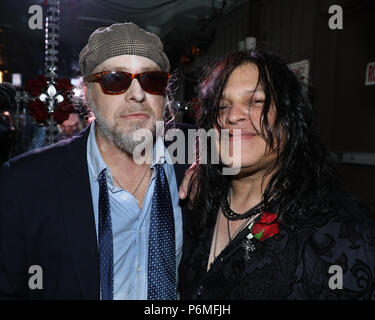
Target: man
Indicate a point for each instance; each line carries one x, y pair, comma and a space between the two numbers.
69, 127
81, 219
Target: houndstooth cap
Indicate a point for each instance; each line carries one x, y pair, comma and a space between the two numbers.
119, 39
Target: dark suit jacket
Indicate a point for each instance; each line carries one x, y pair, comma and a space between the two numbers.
46, 219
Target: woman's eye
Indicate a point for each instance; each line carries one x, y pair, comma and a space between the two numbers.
222, 108
257, 102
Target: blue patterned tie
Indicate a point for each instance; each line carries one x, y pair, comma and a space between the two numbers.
105, 240
162, 253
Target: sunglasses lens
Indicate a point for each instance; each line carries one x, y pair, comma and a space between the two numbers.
116, 82
154, 82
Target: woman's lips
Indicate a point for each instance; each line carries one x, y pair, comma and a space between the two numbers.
240, 134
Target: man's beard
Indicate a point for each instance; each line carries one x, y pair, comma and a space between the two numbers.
123, 140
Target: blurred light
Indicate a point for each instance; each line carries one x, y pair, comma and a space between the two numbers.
43, 97
17, 79
77, 92
241, 45
59, 98
73, 81
196, 51
250, 43
1, 76
51, 90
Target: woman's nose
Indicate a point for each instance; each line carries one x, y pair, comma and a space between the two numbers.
236, 114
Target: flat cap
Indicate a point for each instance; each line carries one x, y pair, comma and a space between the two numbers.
119, 39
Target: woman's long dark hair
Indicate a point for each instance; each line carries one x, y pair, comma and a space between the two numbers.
304, 177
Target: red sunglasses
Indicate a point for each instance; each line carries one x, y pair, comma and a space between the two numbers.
117, 82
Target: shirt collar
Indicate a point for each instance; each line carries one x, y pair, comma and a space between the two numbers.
95, 161
159, 152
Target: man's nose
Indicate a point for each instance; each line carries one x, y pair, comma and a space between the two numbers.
135, 92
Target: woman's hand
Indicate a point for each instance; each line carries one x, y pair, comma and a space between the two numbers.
184, 187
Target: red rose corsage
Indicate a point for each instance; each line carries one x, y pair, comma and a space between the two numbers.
265, 228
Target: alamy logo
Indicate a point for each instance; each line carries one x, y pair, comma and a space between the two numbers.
225, 147
336, 280
36, 280
336, 20
36, 20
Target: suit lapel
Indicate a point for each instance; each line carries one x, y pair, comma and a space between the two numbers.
79, 216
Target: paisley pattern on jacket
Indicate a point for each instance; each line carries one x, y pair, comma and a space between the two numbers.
297, 263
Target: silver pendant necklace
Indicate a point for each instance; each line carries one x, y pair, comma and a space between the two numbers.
249, 247
138, 185
247, 244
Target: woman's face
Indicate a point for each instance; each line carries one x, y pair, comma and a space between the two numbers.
241, 108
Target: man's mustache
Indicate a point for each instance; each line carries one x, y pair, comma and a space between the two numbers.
137, 108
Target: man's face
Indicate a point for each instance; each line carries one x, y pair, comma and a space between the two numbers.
70, 125
119, 116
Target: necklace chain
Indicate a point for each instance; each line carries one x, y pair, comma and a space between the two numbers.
231, 215
238, 230
138, 185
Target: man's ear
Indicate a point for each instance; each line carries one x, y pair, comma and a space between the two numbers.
85, 91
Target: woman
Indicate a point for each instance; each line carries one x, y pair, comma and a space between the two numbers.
282, 227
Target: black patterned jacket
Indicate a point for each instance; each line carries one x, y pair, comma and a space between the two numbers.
297, 263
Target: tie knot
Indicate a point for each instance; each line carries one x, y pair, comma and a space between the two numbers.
102, 176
